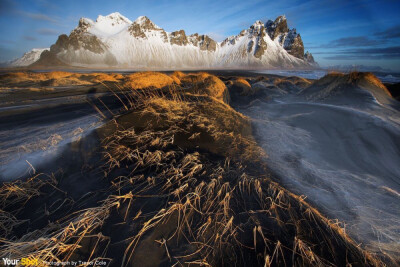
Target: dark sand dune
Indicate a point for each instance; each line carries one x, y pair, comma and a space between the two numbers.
343, 156
354, 89
344, 161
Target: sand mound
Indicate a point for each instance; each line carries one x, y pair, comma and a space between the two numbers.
55, 78
205, 123
368, 80
206, 84
363, 79
141, 80
347, 87
52, 75
102, 77
194, 77
177, 76
242, 86
31, 78
299, 82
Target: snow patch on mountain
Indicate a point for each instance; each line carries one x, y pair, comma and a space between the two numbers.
106, 26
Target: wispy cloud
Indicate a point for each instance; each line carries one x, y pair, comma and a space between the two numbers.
46, 31
390, 33
354, 41
358, 57
29, 38
37, 16
392, 52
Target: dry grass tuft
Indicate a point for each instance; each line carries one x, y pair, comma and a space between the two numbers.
192, 78
366, 80
141, 80
205, 84
177, 76
55, 78
358, 78
243, 86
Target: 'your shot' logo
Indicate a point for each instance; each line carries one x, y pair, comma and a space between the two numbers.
23, 262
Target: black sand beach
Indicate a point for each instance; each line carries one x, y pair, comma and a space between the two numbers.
188, 168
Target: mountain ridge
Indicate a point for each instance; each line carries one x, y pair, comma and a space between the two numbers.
114, 41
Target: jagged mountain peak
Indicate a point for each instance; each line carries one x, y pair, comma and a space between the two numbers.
84, 25
310, 59
257, 28
115, 17
141, 19
146, 23
258, 23
280, 19
115, 41
143, 28
277, 27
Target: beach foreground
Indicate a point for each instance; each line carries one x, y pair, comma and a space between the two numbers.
219, 168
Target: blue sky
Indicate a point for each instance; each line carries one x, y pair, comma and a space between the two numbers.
336, 32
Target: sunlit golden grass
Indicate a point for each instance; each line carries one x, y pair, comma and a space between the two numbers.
204, 84
104, 77
242, 85
294, 80
142, 80
363, 79
192, 77
58, 243
55, 78
366, 79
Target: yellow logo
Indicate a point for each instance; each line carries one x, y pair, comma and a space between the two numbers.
29, 262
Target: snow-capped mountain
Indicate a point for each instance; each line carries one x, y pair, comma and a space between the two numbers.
28, 58
116, 41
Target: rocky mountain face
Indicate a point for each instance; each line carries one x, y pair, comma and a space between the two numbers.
115, 41
288, 38
309, 58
